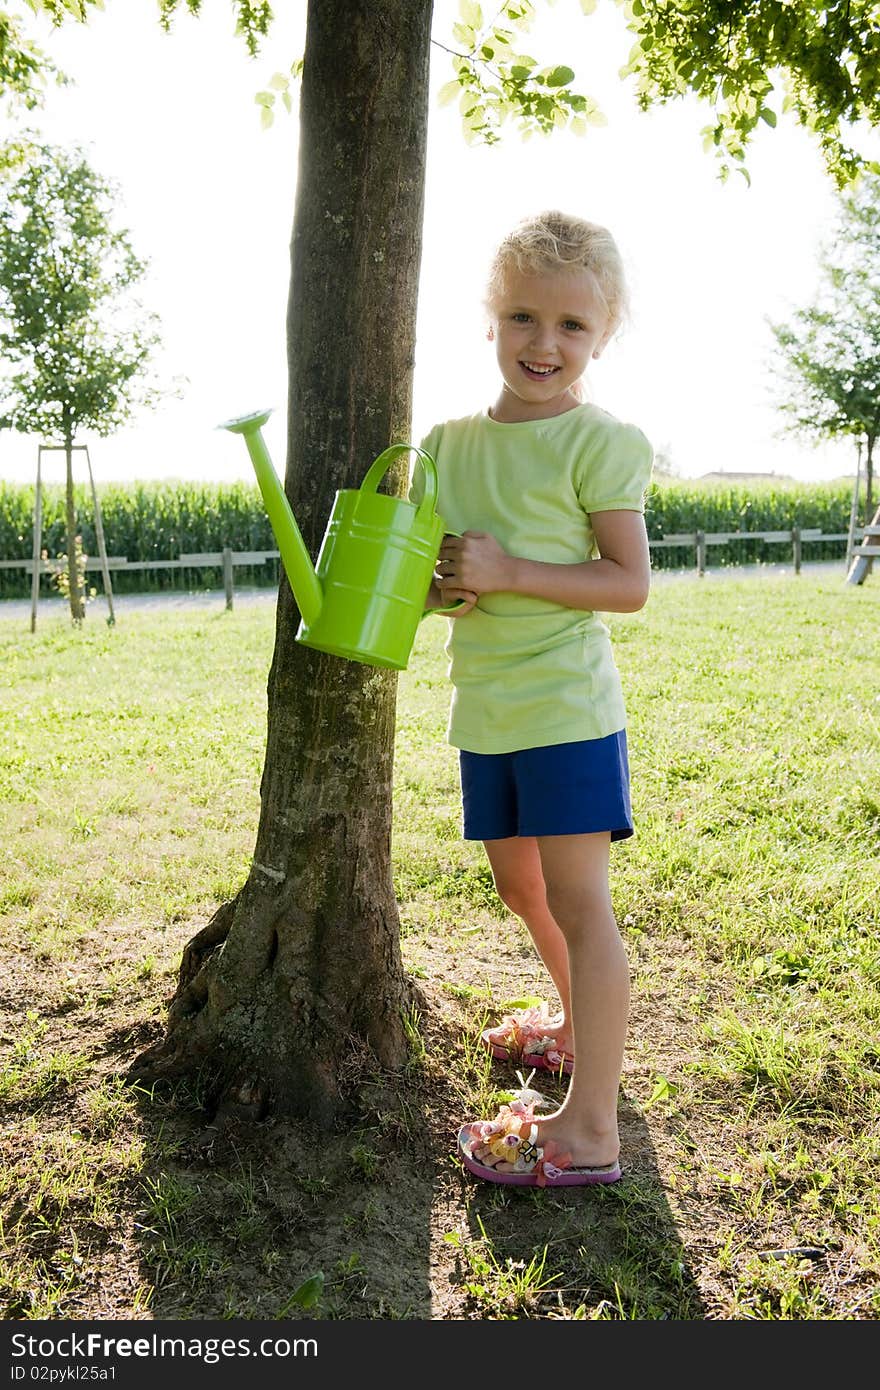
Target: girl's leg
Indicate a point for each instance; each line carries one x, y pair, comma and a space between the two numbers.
519, 882
575, 870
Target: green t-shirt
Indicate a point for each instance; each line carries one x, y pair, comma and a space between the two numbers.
526, 672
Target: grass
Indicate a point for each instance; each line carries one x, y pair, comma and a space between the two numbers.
129, 775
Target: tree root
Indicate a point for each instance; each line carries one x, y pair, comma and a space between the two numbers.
205, 942
174, 1055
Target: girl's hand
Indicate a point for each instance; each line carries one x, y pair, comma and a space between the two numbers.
442, 595
452, 595
474, 561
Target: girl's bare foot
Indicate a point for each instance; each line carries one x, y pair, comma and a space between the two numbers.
585, 1148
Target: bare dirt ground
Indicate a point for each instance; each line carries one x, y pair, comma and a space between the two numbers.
178, 1216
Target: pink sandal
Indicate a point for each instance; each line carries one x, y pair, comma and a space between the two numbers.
510, 1138
524, 1036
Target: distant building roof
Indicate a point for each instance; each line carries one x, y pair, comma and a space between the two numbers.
721, 475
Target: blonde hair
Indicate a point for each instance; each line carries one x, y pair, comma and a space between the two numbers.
554, 241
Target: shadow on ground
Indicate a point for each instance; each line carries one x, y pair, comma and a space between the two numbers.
270, 1220
610, 1253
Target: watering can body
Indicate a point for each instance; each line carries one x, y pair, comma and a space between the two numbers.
365, 596
374, 568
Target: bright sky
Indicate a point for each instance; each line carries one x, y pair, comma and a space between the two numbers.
208, 196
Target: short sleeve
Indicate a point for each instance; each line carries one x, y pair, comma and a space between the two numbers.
616, 469
430, 445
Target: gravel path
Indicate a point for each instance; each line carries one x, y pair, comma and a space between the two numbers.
214, 599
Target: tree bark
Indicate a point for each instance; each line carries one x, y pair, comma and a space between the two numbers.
74, 590
298, 983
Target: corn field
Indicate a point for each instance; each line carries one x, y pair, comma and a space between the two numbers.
142, 521
673, 507
159, 521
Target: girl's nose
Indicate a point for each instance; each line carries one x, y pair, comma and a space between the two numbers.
543, 338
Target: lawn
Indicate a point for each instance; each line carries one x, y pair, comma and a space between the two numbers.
748, 900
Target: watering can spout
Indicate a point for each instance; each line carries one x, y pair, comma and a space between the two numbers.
294, 556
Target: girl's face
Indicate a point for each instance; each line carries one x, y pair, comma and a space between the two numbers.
546, 327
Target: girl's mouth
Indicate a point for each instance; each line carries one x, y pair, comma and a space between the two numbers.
539, 371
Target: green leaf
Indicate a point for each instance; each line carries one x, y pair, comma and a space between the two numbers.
588, 6
559, 77
526, 1001
463, 34
663, 1090
449, 91
279, 81
767, 115
307, 1295
471, 13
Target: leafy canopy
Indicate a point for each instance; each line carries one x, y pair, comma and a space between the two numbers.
24, 66
749, 60
76, 343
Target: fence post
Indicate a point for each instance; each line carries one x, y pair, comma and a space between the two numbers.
227, 576
700, 543
796, 548
38, 545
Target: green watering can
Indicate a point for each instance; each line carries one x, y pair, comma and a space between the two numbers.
365, 597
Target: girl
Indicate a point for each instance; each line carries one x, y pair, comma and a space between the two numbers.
546, 493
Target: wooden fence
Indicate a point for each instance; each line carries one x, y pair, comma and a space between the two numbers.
796, 538
699, 542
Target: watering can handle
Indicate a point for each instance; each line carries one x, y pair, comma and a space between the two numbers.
378, 470
380, 467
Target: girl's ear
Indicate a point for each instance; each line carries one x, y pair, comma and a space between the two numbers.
605, 340
490, 334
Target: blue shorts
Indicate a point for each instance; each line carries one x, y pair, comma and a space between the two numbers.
564, 789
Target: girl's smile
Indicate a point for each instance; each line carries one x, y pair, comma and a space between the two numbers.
546, 328
538, 369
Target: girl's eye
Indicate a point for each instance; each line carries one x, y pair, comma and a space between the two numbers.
572, 323
521, 318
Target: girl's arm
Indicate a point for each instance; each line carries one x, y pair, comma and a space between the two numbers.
618, 582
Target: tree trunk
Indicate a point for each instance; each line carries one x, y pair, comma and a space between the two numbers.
74, 589
298, 983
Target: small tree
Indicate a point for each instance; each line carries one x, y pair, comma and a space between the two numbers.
75, 340
828, 375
